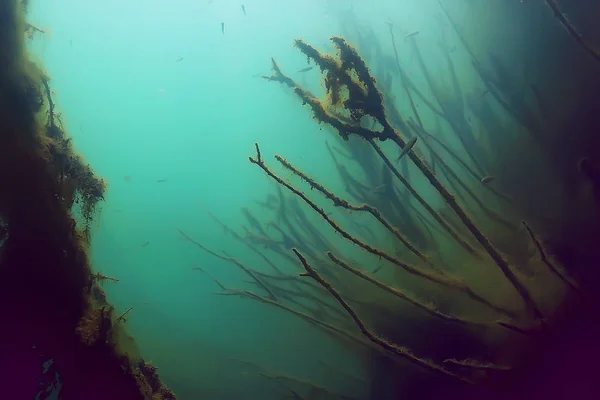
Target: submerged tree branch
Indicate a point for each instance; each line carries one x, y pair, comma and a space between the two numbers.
396, 350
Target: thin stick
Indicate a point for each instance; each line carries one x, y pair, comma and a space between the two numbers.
545, 259
122, 318
231, 260
240, 239
477, 365
571, 29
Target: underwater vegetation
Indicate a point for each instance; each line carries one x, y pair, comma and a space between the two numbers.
53, 305
438, 273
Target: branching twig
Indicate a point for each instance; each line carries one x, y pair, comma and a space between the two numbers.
231, 260
450, 282
364, 207
100, 277
545, 259
122, 318
401, 352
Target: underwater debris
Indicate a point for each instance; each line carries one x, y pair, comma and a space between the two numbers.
399, 293
401, 352
122, 318
364, 207
441, 278
362, 99
31, 30
348, 100
232, 260
553, 5
100, 277
477, 365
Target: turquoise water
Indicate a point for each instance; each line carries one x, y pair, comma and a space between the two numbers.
166, 107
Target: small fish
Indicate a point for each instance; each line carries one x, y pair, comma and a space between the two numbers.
180, 59
407, 148
161, 180
223, 28
145, 244
305, 69
411, 34
380, 189
244, 9
487, 179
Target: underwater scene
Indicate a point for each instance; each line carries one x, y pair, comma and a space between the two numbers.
300, 199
